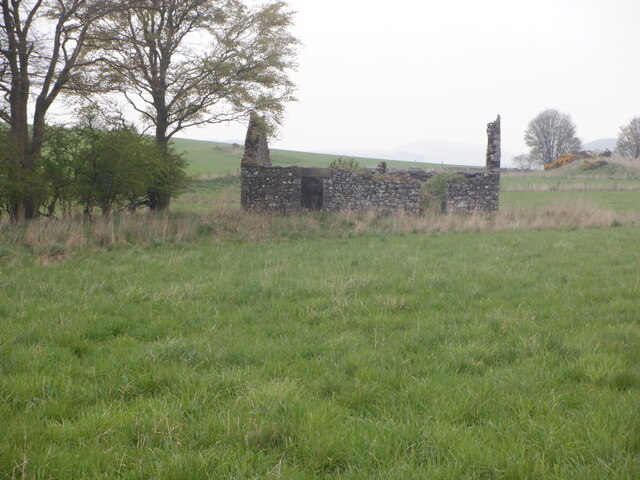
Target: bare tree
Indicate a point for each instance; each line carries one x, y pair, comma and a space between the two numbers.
628, 144
181, 63
550, 135
523, 161
41, 48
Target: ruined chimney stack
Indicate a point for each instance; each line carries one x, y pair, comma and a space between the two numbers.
256, 146
493, 145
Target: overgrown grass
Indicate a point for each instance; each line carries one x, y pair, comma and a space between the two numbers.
512, 355
55, 240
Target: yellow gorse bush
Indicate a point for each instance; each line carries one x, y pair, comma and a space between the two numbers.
562, 161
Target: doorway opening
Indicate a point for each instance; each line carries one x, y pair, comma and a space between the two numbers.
312, 194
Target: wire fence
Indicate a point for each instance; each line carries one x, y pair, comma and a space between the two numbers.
604, 186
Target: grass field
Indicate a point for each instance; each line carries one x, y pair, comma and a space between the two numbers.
216, 344
481, 356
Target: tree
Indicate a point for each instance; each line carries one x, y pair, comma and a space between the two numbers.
550, 135
41, 48
628, 144
181, 63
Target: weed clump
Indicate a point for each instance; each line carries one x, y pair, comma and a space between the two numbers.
434, 190
345, 164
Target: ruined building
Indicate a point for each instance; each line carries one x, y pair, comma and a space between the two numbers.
288, 189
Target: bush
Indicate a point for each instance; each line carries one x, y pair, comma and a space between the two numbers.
562, 161
345, 164
113, 169
434, 190
593, 165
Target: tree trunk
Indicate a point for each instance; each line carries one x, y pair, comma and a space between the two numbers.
159, 201
24, 200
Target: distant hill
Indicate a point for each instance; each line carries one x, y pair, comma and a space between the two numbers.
600, 145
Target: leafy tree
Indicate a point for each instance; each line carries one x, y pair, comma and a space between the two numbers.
550, 135
180, 63
628, 144
42, 46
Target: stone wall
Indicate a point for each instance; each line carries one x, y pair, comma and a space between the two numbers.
282, 190
481, 193
274, 189
356, 191
494, 147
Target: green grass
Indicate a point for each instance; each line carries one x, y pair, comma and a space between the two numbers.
204, 196
209, 158
619, 201
479, 356
304, 159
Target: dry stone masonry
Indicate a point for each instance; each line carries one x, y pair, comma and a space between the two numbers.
285, 190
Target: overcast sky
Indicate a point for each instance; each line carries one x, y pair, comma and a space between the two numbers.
376, 75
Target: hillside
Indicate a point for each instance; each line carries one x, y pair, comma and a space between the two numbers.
215, 158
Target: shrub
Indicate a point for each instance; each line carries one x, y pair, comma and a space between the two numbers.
562, 161
593, 165
434, 190
345, 164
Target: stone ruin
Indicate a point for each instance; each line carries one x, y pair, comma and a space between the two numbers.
284, 190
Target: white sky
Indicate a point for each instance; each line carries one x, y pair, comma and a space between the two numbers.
378, 74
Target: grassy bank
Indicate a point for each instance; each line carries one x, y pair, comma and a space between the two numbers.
500, 355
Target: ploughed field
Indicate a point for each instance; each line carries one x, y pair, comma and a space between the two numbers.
508, 355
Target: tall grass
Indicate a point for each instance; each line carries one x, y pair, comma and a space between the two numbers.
58, 238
